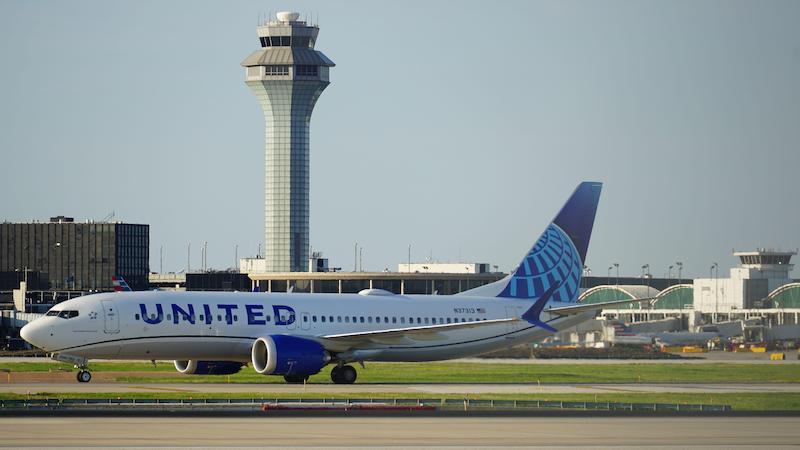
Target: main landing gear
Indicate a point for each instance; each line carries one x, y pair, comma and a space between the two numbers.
84, 376
344, 375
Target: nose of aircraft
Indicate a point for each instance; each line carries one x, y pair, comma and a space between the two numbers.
32, 333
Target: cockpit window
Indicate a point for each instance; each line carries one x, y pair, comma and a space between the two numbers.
53, 312
68, 314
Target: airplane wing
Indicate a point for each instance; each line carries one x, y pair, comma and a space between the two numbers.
398, 336
579, 308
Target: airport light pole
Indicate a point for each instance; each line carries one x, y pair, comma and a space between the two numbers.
616, 265
714, 267
609, 274
680, 267
669, 274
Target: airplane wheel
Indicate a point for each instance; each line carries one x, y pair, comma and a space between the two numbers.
336, 374
84, 376
295, 379
347, 375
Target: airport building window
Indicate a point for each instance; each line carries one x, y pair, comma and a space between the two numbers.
276, 70
306, 71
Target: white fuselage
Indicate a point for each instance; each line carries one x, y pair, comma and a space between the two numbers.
223, 326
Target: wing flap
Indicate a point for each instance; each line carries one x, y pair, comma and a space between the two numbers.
399, 336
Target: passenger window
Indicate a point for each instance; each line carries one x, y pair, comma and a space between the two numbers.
354, 319
201, 317
441, 320
426, 321
377, 320
322, 318
219, 318
152, 317
433, 320
313, 318
169, 316
346, 319
419, 320
394, 319
448, 320
236, 318
339, 319
268, 318
362, 319
330, 319
137, 316
402, 320
305, 318
370, 319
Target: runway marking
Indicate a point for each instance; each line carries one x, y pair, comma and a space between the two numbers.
156, 388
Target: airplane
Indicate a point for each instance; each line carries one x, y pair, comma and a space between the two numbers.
297, 334
120, 285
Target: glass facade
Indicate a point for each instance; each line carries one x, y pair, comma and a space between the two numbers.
77, 256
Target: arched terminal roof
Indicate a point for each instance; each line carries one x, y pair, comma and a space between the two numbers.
786, 296
678, 296
610, 293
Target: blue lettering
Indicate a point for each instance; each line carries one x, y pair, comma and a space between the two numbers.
207, 312
159, 316
228, 312
255, 317
287, 318
187, 315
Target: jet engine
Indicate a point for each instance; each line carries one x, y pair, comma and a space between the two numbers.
193, 367
279, 354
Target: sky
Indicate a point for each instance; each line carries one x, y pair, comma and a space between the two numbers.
458, 128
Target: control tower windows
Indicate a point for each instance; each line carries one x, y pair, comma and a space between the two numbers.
277, 70
306, 71
286, 41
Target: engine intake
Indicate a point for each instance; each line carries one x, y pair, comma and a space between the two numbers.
279, 354
193, 367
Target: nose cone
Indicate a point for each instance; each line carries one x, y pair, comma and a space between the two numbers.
32, 333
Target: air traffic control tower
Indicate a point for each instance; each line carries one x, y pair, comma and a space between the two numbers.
287, 76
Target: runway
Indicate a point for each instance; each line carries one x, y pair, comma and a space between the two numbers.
400, 432
72, 386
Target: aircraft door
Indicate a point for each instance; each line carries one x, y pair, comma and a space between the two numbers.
111, 316
305, 321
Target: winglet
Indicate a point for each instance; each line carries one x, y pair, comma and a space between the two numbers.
532, 314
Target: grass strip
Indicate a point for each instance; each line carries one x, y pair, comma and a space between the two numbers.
458, 372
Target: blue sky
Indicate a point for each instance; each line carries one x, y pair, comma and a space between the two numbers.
459, 128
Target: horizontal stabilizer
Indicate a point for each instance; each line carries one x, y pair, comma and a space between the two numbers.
581, 308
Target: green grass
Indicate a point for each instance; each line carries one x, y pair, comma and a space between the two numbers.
458, 372
738, 401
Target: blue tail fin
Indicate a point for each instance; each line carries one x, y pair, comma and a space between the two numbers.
554, 266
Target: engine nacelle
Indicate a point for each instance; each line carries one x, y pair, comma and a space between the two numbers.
193, 367
279, 354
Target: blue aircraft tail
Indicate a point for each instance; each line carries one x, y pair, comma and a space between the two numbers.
552, 269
